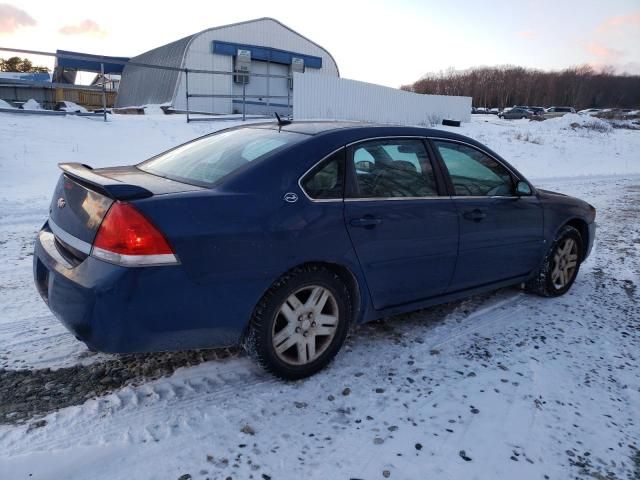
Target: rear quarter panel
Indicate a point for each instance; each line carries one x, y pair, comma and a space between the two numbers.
234, 245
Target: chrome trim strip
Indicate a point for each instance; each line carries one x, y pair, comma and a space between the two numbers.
69, 239
380, 199
489, 197
319, 200
134, 260
47, 240
393, 137
99, 253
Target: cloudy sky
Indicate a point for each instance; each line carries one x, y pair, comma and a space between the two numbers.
387, 42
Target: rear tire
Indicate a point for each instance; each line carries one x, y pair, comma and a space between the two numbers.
560, 265
300, 324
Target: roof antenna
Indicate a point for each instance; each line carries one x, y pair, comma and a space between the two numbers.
281, 122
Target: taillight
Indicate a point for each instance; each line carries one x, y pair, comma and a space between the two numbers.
127, 238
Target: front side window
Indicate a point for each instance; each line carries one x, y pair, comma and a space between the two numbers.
207, 160
393, 168
474, 173
327, 180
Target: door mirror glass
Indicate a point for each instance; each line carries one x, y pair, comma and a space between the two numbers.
364, 166
523, 188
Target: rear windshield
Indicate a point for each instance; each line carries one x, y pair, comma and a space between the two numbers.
208, 160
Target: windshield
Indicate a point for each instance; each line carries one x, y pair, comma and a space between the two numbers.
209, 159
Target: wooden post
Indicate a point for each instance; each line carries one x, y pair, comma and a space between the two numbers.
104, 93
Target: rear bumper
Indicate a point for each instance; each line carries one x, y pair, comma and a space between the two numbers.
123, 310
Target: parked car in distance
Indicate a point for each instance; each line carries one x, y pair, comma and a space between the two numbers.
494, 111
552, 112
536, 110
515, 113
281, 236
589, 111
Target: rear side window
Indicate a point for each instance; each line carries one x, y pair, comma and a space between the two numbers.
207, 160
392, 169
327, 180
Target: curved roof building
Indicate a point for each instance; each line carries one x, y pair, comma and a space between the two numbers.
262, 46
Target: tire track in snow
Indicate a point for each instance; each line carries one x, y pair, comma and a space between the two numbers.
221, 384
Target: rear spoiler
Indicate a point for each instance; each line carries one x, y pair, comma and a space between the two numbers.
84, 174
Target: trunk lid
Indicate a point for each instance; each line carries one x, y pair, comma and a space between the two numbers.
77, 210
83, 196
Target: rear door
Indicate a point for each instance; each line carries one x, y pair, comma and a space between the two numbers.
501, 234
404, 232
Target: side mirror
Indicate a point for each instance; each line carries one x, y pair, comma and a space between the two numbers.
364, 165
523, 189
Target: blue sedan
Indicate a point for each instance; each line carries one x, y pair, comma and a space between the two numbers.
279, 237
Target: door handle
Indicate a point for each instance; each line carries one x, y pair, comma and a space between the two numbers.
476, 215
365, 222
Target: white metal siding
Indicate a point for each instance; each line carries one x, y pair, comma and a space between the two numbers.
325, 97
264, 32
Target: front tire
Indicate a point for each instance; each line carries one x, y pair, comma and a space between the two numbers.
300, 324
560, 266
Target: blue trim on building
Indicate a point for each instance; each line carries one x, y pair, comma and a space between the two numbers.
90, 64
26, 77
265, 54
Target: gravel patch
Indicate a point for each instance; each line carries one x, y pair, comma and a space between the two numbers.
25, 394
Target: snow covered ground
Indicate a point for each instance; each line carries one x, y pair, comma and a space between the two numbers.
499, 386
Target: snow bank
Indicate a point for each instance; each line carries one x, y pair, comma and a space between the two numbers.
31, 104
155, 109
573, 121
72, 107
555, 149
4, 104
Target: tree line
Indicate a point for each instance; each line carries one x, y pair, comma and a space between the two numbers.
21, 65
505, 86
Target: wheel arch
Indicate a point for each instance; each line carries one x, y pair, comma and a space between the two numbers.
582, 227
347, 276
351, 281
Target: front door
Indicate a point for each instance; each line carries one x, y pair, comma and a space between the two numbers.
404, 233
501, 234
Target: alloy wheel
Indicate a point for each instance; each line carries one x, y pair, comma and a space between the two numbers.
305, 325
565, 262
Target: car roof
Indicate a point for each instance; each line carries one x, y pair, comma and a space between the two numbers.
357, 129
315, 127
